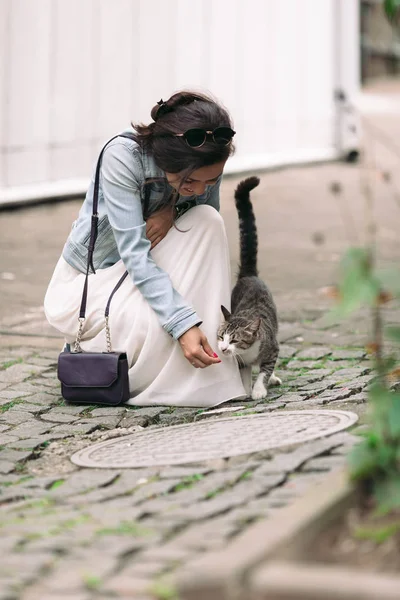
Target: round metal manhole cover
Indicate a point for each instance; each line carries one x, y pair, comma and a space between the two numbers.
207, 440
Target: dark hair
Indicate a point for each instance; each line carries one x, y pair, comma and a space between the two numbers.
184, 110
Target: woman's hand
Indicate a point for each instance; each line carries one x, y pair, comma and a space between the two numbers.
197, 350
158, 225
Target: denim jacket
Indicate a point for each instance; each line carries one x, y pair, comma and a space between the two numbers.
122, 230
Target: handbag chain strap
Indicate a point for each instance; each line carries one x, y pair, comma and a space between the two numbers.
89, 265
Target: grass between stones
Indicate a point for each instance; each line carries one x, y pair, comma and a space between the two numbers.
187, 482
10, 404
163, 589
125, 528
92, 582
56, 484
243, 477
18, 482
378, 534
10, 363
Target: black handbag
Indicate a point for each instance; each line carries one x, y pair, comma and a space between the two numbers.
94, 377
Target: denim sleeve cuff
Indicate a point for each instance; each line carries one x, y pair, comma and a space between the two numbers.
178, 328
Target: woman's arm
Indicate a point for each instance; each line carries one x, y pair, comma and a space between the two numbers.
121, 193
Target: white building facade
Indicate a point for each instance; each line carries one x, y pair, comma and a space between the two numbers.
75, 72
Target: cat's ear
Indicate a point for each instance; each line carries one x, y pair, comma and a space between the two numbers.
226, 313
255, 325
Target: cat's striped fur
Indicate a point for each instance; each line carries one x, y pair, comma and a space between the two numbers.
250, 331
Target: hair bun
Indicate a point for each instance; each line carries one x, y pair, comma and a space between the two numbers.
159, 109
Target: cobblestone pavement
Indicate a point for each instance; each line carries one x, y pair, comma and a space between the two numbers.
78, 533
73, 533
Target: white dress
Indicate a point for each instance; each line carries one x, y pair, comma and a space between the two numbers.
197, 261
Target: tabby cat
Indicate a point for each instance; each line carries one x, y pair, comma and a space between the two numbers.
250, 332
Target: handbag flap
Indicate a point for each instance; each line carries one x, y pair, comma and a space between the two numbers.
89, 369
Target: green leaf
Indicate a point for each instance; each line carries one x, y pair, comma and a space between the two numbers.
389, 279
362, 461
358, 285
393, 333
391, 8
394, 417
377, 534
387, 494
381, 401
386, 457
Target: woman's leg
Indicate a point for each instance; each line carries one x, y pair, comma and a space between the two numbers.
197, 260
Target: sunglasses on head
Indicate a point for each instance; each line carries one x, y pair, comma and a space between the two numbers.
197, 137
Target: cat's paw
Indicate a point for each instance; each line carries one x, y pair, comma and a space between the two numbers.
274, 380
259, 391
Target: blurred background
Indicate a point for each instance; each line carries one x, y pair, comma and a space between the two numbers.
74, 72
297, 76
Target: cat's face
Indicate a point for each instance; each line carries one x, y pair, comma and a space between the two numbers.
236, 334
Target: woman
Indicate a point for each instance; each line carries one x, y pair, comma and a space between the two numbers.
158, 219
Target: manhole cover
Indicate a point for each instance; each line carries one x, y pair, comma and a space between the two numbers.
207, 440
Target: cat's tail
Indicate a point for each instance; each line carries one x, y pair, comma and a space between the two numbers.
247, 228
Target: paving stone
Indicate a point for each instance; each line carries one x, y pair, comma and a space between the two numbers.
108, 411
50, 375
42, 399
117, 545
51, 354
76, 429
182, 472
182, 415
84, 480
296, 364
14, 455
316, 388
6, 466
126, 482
170, 552
146, 569
109, 422
7, 438
323, 463
28, 386
43, 362
351, 373
262, 407
29, 429
39, 591
314, 352
10, 394
14, 417
18, 373
204, 536
48, 386
288, 332
292, 397
28, 443
28, 407
68, 409
348, 354
208, 485
127, 585
359, 384
291, 461
3, 428
71, 574
59, 417
286, 351
152, 489
360, 398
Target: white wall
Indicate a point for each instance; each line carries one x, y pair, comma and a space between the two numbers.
73, 72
